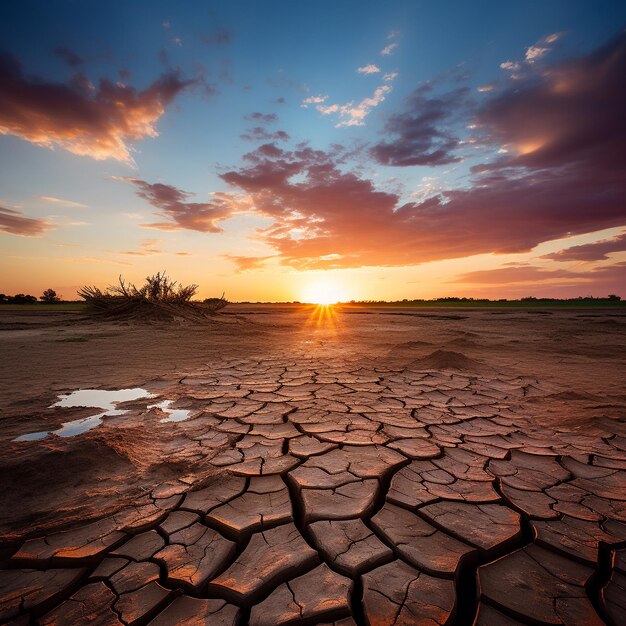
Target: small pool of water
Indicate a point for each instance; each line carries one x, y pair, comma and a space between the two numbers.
101, 398
96, 398
173, 415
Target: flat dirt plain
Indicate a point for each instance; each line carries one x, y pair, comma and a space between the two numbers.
341, 466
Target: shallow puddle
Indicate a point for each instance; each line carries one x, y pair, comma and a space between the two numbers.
173, 415
101, 398
98, 399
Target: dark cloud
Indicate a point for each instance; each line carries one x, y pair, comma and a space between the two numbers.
263, 118
419, 134
569, 114
15, 223
597, 251
71, 58
258, 133
173, 205
100, 122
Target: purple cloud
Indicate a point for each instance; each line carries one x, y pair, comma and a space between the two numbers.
173, 204
15, 223
569, 114
419, 136
263, 118
100, 122
597, 251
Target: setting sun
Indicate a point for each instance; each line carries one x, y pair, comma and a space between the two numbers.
324, 292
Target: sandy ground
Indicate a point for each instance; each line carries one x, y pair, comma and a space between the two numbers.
46, 354
561, 374
578, 355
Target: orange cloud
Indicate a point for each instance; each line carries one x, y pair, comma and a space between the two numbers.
100, 122
324, 217
244, 263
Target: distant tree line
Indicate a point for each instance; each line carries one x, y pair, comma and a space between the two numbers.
530, 299
49, 296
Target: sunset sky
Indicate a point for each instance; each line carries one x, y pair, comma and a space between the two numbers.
391, 150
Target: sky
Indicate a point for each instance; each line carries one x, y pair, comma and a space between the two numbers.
270, 150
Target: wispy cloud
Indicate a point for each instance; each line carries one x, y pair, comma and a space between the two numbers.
146, 248
61, 202
354, 113
512, 67
387, 50
245, 263
258, 133
173, 204
313, 100
596, 251
513, 275
15, 222
534, 53
263, 118
542, 47
608, 278
368, 69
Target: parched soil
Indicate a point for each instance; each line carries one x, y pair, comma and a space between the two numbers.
361, 466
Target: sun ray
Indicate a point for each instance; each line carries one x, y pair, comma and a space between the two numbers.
323, 316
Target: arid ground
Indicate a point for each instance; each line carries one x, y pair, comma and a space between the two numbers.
368, 466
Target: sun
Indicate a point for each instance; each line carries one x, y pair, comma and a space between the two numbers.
323, 292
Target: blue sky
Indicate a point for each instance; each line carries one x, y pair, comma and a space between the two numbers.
240, 58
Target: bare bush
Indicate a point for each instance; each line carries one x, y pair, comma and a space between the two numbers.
215, 304
159, 298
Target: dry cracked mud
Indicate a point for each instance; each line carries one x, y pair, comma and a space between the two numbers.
344, 491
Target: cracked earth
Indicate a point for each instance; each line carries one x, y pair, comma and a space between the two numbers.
336, 489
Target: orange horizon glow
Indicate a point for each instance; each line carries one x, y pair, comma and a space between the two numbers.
324, 291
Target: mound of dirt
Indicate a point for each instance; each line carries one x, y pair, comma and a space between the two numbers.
137, 309
447, 360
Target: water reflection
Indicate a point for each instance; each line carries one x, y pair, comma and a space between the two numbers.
101, 398
173, 415
89, 398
